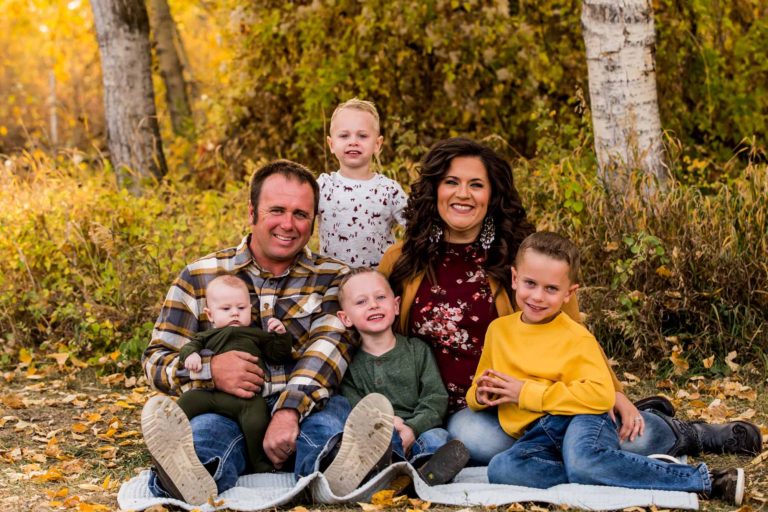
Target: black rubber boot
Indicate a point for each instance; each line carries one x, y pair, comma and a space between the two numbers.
687, 440
739, 437
656, 403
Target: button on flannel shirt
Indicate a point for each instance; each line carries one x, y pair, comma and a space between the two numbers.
304, 299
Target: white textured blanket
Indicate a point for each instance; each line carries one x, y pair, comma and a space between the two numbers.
471, 487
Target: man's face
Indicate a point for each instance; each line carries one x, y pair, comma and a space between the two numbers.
283, 222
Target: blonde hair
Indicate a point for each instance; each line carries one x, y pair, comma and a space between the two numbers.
361, 105
228, 281
356, 272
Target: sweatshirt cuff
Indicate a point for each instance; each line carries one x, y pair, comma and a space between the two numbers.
532, 396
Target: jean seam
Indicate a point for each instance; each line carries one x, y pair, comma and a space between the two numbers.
225, 456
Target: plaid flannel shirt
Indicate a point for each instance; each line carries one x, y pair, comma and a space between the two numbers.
304, 299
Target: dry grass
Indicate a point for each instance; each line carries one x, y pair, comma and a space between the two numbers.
68, 440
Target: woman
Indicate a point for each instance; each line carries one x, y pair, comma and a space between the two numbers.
465, 221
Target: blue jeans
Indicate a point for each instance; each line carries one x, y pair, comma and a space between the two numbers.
483, 436
425, 445
584, 449
220, 445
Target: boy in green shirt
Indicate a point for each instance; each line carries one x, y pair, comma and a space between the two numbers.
404, 371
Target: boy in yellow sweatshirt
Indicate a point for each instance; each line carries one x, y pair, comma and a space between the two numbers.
546, 375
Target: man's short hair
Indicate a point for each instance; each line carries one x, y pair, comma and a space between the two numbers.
556, 247
356, 272
290, 171
227, 280
363, 106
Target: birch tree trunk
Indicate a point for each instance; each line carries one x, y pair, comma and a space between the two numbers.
620, 42
171, 67
133, 134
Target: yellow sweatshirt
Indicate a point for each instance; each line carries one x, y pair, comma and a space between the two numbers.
560, 363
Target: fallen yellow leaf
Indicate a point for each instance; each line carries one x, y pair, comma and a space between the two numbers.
79, 428
92, 507
25, 357
61, 493
13, 401
60, 358
52, 475
52, 449
384, 497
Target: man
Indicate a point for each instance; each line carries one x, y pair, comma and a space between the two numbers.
286, 281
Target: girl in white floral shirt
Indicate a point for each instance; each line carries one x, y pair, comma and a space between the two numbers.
358, 207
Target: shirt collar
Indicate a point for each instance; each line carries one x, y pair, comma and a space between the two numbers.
244, 257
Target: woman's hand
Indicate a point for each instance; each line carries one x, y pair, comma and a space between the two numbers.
632, 423
495, 388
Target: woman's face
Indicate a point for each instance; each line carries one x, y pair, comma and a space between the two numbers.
462, 199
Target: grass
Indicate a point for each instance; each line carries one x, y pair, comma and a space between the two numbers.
70, 438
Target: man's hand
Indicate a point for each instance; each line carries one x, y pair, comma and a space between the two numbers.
280, 438
495, 388
237, 373
407, 435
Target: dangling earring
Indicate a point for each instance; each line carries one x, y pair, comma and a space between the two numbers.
488, 233
435, 234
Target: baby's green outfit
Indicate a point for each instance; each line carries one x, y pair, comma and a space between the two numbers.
250, 413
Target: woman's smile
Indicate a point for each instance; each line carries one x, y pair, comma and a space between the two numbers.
462, 199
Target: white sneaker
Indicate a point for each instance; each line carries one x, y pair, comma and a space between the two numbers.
665, 458
367, 436
168, 436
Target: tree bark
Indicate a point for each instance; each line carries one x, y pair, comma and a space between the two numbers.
133, 134
171, 67
620, 43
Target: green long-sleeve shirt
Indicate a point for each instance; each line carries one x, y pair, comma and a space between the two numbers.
408, 376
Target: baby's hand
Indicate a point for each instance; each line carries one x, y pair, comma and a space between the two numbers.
275, 325
193, 363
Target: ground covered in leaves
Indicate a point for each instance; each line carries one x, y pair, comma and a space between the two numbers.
69, 437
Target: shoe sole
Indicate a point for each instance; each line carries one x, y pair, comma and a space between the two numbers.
740, 485
445, 463
367, 436
168, 436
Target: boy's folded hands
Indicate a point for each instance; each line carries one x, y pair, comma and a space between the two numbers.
495, 388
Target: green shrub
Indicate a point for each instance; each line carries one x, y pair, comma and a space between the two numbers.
686, 268
514, 70
85, 265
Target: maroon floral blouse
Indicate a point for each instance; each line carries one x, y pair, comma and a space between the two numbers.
452, 315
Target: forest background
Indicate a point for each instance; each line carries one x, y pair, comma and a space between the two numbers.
675, 280
677, 283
